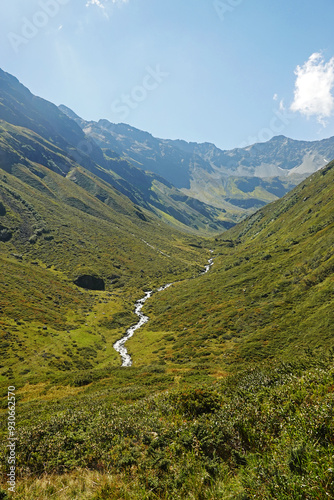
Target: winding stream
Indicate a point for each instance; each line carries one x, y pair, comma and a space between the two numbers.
119, 345
208, 266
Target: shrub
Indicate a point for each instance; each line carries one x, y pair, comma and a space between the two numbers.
3, 495
196, 402
82, 380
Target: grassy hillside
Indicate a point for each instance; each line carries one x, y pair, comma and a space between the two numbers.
230, 394
21, 145
34, 129
266, 433
270, 291
231, 391
53, 231
240, 196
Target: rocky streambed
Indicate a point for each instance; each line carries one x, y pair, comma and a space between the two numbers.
119, 346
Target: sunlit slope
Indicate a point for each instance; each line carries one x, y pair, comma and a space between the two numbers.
147, 190
269, 293
54, 231
34, 129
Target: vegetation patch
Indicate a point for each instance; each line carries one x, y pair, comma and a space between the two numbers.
264, 433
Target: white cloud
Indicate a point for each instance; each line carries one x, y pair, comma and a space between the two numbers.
95, 2
275, 97
101, 3
105, 5
313, 88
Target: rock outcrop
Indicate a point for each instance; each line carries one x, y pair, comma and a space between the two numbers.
90, 282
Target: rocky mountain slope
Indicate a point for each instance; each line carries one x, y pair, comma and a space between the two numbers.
34, 129
230, 394
239, 181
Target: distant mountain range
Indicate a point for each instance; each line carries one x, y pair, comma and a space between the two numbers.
240, 180
191, 186
35, 130
232, 372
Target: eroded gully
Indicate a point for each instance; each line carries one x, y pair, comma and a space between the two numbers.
119, 345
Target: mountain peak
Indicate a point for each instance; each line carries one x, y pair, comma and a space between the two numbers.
278, 138
68, 111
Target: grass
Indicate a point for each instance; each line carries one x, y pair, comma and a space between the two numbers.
231, 390
269, 293
49, 327
262, 433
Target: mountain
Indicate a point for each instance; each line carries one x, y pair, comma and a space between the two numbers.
79, 239
230, 394
269, 294
238, 181
86, 217
44, 134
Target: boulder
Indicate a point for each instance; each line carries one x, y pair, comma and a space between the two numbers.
90, 282
5, 234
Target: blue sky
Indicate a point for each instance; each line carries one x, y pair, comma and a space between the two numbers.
231, 72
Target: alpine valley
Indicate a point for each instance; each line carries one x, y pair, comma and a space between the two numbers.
238, 181
227, 390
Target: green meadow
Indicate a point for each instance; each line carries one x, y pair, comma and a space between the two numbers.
230, 392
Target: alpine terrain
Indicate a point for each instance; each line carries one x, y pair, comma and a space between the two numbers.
166, 312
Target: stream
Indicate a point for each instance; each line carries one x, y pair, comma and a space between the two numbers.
119, 345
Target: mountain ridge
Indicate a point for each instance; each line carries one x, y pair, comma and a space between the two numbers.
216, 176
231, 389
45, 134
